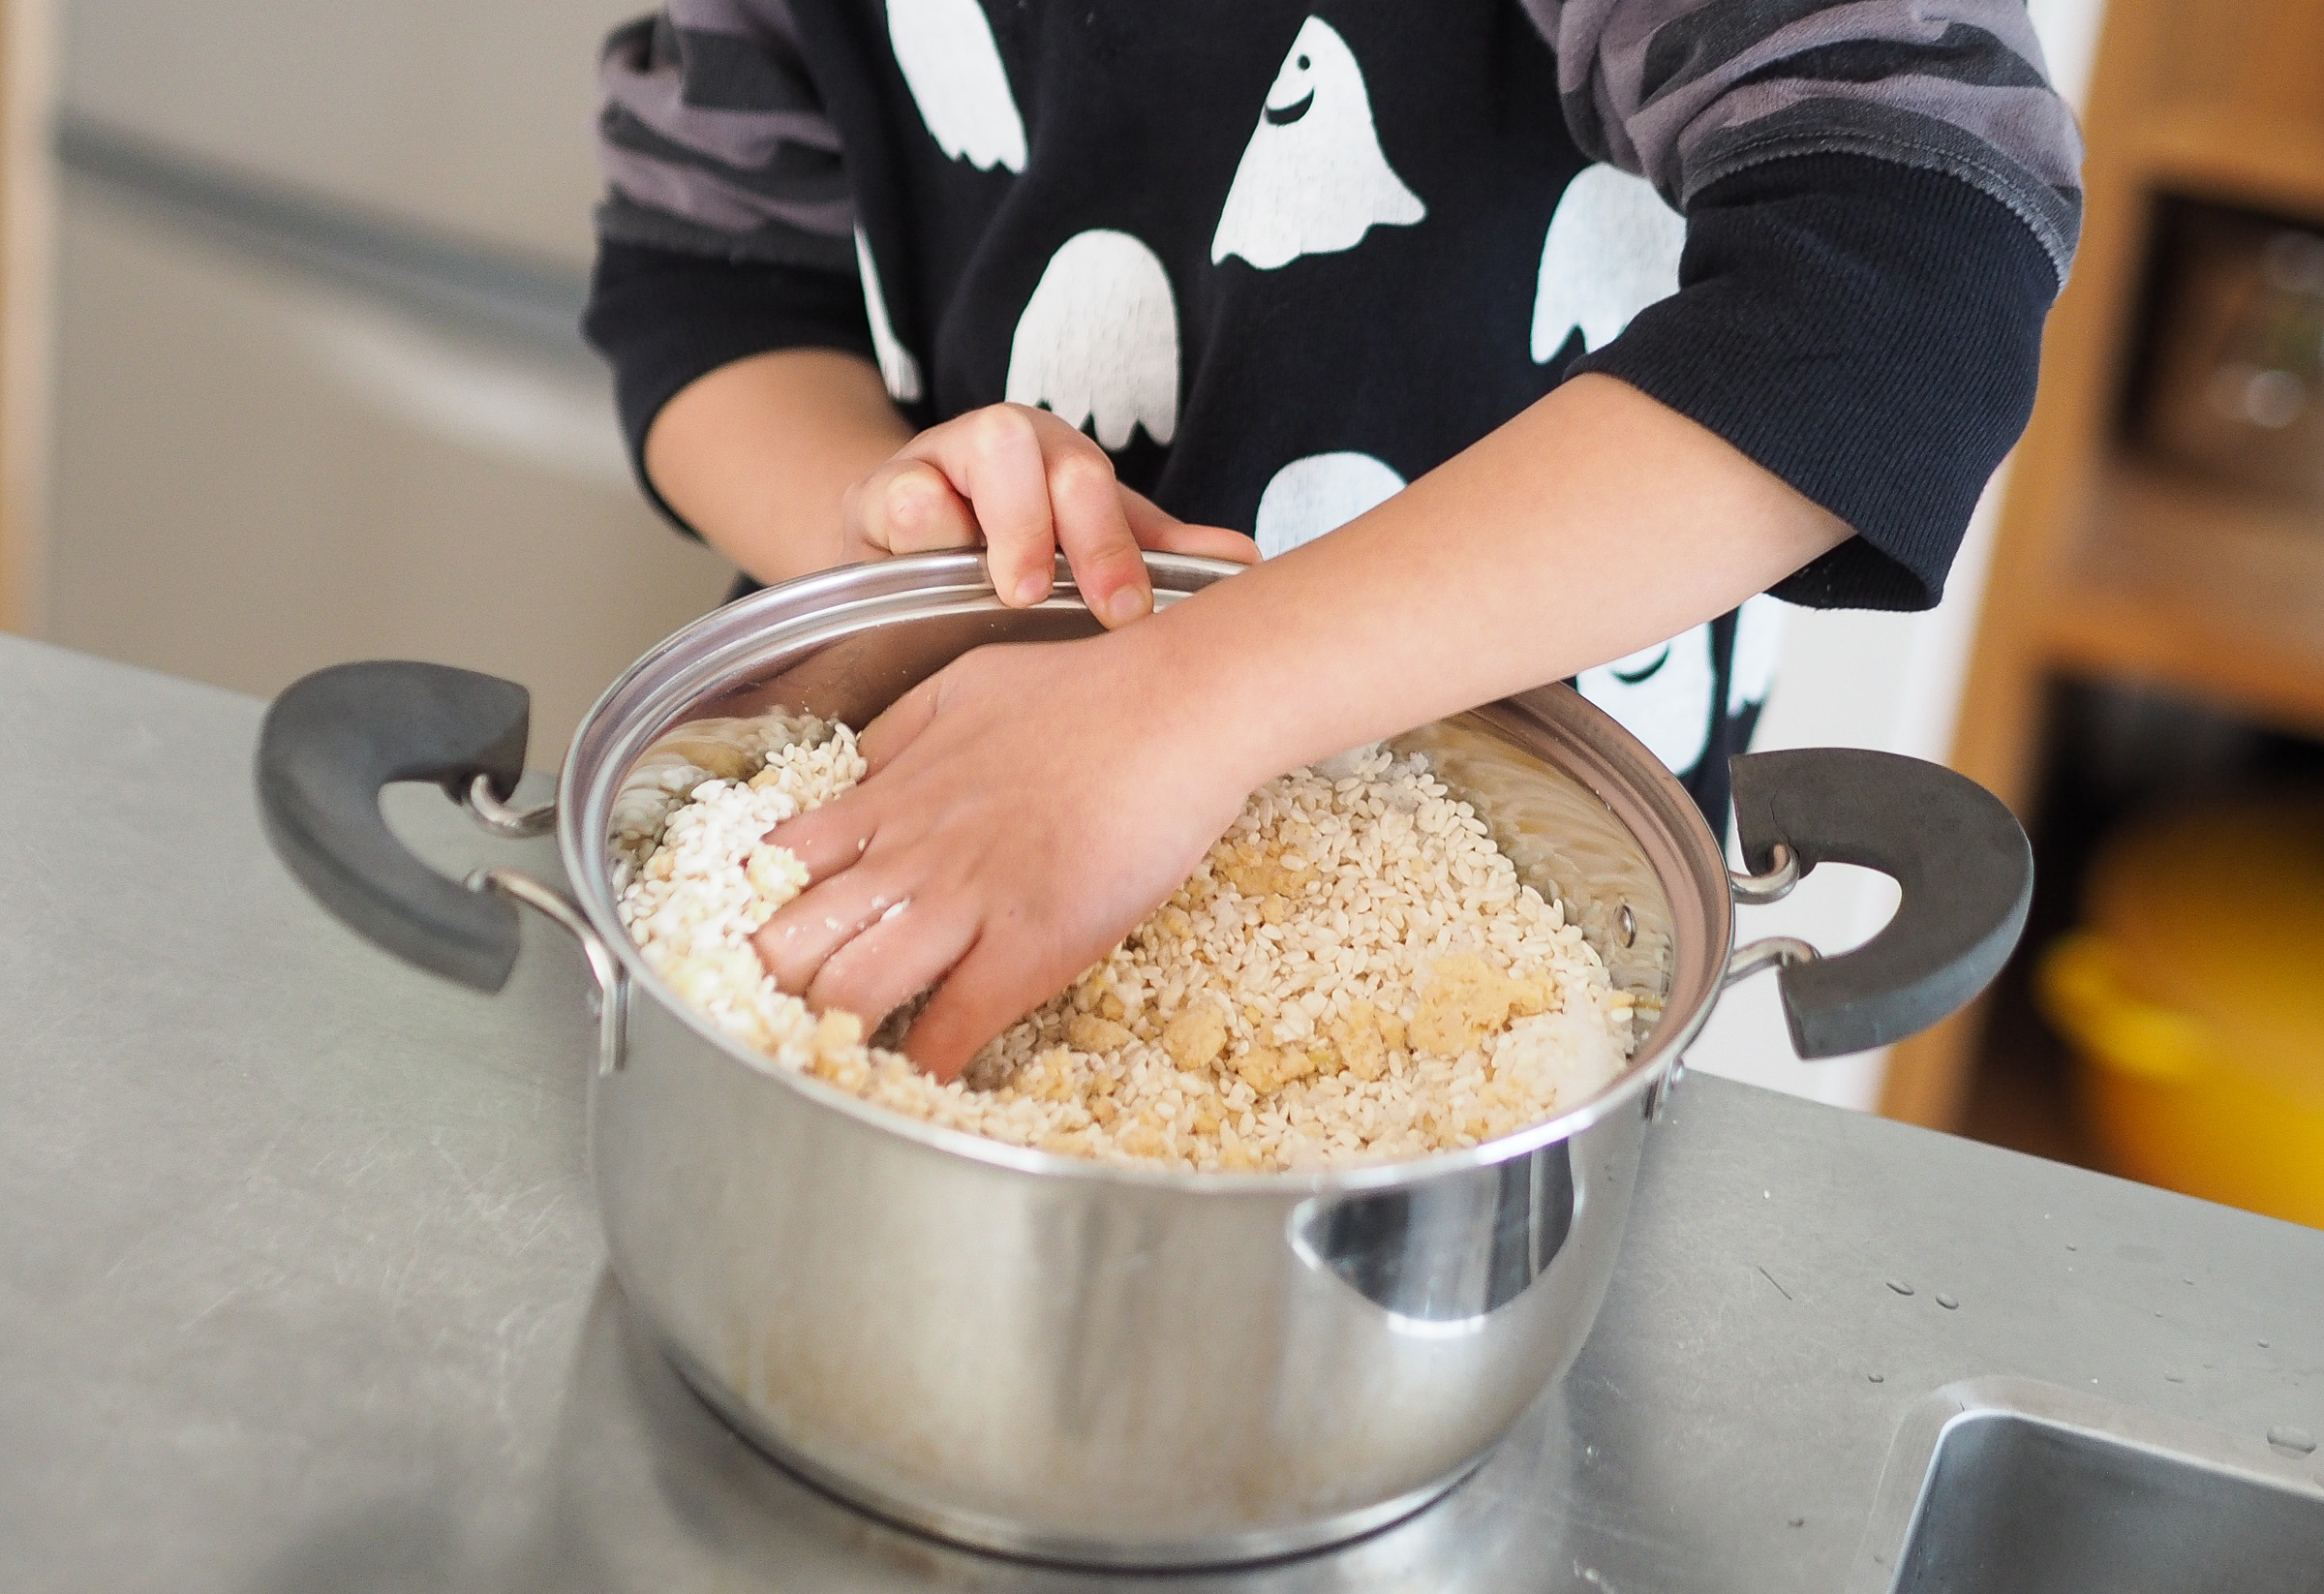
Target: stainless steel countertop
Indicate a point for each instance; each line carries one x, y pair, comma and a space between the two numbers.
301, 1288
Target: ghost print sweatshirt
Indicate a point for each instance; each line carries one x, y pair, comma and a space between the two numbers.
1279, 259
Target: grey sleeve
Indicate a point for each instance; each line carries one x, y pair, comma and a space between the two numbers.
714, 140
1687, 92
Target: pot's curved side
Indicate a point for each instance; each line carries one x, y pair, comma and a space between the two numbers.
1080, 1362
1085, 1370
1065, 1362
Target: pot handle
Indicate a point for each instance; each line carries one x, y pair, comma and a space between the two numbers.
331, 741
1955, 849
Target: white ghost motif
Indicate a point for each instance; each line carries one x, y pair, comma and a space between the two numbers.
1098, 341
953, 68
1758, 644
1612, 250
897, 367
1318, 494
1312, 180
1661, 695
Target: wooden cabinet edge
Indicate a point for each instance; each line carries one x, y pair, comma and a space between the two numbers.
27, 190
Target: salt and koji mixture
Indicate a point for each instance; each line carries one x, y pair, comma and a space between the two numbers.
1354, 974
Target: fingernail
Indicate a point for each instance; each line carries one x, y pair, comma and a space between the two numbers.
1027, 591
1125, 606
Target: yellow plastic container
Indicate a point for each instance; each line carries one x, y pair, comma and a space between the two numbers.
2194, 998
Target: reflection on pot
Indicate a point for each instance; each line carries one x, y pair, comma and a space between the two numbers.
1448, 1252
647, 1491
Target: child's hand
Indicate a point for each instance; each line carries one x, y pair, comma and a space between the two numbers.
1027, 808
1026, 486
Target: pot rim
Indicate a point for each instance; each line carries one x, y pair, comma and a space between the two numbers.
961, 578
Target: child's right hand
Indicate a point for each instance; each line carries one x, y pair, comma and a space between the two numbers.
1023, 485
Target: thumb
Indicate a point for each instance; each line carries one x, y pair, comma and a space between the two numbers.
898, 725
907, 507
1158, 529
1208, 542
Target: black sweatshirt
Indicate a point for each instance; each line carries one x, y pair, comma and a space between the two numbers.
1281, 261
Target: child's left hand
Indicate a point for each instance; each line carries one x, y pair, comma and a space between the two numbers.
1026, 486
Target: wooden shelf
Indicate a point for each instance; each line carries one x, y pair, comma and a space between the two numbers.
2189, 585
27, 78
2106, 567
2272, 164
2023, 1094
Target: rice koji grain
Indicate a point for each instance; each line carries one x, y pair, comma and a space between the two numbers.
1354, 974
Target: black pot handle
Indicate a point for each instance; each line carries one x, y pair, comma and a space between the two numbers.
1955, 849
331, 741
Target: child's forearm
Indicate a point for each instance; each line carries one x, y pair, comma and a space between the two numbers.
1595, 522
757, 455
1031, 805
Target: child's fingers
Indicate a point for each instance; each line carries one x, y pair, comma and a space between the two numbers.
1148, 519
833, 838
908, 507
829, 839
988, 989
796, 943
1157, 529
1092, 532
993, 459
904, 953
898, 725
1207, 542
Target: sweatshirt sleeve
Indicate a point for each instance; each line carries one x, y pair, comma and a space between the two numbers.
727, 227
1883, 199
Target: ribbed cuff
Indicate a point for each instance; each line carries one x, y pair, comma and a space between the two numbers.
662, 317
1869, 332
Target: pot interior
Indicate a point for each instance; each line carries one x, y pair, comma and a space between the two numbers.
1586, 813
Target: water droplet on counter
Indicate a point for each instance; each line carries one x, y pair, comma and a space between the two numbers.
2263, 1344
1900, 1288
2071, 1246
1948, 1302
2172, 1378
1877, 1377
2297, 1441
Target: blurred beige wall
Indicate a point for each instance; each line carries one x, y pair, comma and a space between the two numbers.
261, 472
235, 462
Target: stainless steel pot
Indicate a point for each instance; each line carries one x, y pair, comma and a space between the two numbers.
1057, 1358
